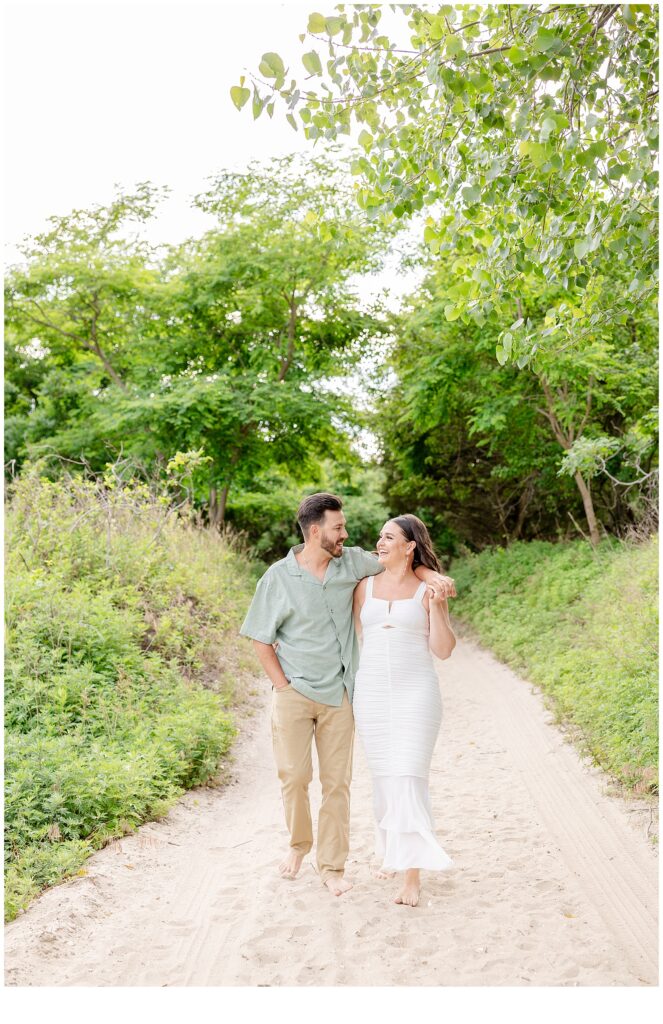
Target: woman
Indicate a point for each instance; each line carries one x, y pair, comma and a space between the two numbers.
397, 705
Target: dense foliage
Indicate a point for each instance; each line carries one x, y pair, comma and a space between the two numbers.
534, 127
266, 513
121, 667
583, 625
529, 135
231, 346
490, 454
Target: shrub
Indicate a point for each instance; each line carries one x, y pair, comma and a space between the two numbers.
122, 661
583, 625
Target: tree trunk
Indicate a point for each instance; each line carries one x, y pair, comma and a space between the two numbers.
114, 376
588, 505
566, 438
523, 505
214, 519
292, 324
223, 501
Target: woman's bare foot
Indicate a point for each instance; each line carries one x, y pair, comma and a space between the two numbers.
337, 885
384, 873
289, 867
409, 894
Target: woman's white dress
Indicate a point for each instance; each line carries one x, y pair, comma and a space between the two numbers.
398, 710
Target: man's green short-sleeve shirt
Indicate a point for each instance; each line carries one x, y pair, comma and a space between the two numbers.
312, 621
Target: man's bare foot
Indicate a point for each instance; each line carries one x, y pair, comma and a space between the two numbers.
337, 885
409, 894
289, 867
384, 873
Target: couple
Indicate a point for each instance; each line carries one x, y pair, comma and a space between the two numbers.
302, 621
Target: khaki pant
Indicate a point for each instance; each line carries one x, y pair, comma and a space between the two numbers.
295, 721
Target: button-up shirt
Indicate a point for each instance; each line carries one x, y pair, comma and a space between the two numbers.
312, 621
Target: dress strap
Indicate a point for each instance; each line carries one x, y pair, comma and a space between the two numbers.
369, 586
421, 590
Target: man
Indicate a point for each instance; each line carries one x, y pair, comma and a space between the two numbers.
304, 602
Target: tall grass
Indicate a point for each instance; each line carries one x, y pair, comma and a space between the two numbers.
122, 666
583, 625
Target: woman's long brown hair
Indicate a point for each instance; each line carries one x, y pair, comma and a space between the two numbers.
414, 529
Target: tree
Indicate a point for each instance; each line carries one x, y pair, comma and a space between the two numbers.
488, 452
81, 286
267, 318
231, 345
530, 133
529, 130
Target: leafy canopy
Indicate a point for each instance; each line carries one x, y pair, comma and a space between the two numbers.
528, 133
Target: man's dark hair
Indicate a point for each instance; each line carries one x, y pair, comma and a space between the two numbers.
312, 509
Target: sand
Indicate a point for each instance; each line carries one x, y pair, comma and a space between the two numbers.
554, 884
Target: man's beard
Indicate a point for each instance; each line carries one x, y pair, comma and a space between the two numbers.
334, 548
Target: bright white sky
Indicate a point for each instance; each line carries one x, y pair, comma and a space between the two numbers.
111, 91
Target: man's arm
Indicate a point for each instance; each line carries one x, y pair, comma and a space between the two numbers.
442, 585
365, 563
358, 599
271, 664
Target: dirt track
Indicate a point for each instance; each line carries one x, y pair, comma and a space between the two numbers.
555, 882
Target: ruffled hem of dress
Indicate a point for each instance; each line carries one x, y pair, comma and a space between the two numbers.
404, 836
400, 851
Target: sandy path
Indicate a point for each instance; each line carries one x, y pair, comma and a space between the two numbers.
555, 882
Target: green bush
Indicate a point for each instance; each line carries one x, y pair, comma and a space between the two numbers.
267, 514
583, 625
116, 612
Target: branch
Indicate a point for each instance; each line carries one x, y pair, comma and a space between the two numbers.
354, 46
587, 407
51, 326
287, 359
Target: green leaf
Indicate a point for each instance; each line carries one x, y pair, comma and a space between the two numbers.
240, 96
365, 140
437, 28
452, 311
501, 355
316, 23
454, 46
291, 121
311, 62
549, 125
516, 55
538, 152
333, 25
627, 14
471, 194
271, 65
580, 248
546, 40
